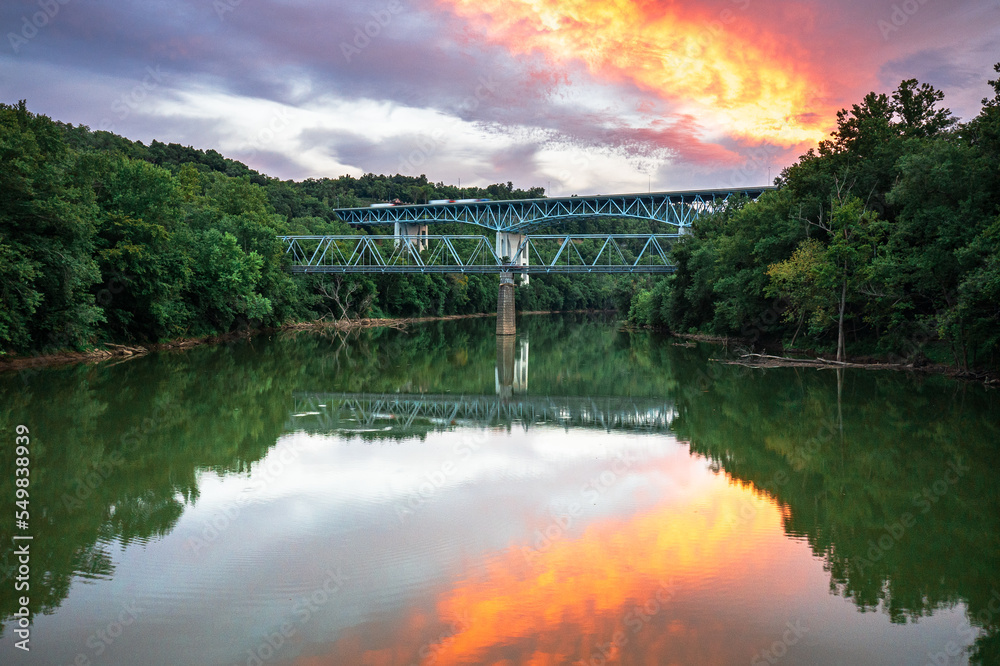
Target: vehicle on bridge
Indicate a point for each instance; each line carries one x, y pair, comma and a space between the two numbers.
432, 202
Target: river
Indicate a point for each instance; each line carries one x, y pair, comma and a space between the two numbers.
577, 495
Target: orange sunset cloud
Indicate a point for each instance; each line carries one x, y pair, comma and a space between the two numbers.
711, 64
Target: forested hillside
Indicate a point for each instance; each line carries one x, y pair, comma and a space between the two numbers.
103, 239
885, 240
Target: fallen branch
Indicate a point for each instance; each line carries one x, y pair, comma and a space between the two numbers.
751, 360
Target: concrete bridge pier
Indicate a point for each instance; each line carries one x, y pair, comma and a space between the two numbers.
507, 246
413, 233
512, 366
506, 366
505, 305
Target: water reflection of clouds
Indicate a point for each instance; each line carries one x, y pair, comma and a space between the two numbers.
733, 587
575, 592
336, 504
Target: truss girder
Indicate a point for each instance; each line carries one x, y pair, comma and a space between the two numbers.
559, 253
366, 411
674, 208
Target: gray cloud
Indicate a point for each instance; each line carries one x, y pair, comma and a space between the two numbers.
91, 55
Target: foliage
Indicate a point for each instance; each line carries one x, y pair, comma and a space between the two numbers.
882, 240
47, 228
105, 239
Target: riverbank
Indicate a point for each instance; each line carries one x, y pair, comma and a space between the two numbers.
811, 359
116, 352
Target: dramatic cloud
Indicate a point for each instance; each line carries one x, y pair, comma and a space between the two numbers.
579, 95
752, 83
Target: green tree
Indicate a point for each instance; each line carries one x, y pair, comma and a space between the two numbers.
46, 235
799, 279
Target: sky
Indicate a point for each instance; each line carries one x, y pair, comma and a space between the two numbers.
578, 96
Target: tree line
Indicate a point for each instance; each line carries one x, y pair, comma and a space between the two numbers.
884, 240
103, 239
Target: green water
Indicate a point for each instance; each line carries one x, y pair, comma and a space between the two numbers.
579, 494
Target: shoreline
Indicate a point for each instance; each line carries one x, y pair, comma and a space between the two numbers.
812, 359
110, 352
118, 352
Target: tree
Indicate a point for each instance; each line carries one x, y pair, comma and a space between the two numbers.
914, 109
46, 236
799, 279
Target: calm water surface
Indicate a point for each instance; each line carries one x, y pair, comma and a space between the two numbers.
579, 495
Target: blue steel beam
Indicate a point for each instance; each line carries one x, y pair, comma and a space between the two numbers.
457, 253
517, 215
331, 412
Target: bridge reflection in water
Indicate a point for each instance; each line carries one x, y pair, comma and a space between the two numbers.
414, 413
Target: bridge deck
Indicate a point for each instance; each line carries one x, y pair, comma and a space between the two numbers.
566, 253
326, 412
514, 215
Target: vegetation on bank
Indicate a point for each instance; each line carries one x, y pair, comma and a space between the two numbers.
103, 239
885, 240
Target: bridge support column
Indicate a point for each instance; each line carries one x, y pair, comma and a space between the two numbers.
507, 246
506, 366
413, 234
505, 305
521, 366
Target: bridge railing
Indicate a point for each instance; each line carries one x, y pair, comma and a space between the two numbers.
457, 253
678, 209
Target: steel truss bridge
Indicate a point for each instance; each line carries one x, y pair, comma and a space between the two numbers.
566, 253
390, 412
521, 215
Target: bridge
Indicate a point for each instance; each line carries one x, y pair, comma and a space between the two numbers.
459, 253
407, 414
518, 216
412, 249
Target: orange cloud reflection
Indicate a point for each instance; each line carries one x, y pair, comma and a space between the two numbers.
657, 588
571, 598
714, 65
